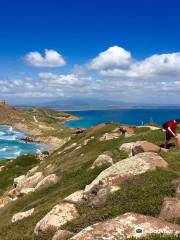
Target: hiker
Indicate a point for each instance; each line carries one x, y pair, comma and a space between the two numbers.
170, 128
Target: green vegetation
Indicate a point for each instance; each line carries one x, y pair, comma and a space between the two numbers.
15, 168
141, 194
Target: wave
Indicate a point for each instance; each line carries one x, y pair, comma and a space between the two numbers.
3, 149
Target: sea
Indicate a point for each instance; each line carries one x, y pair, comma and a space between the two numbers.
11, 145
89, 118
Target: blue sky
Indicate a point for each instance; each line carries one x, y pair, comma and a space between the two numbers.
79, 31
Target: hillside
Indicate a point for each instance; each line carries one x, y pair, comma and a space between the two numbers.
42, 125
122, 186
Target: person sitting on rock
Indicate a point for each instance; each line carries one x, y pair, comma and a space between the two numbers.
170, 128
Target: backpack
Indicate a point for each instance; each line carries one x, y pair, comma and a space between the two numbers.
165, 125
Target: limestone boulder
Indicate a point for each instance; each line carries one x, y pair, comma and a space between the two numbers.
1, 168
62, 235
134, 148
110, 136
49, 169
47, 181
28, 182
25, 191
170, 208
4, 201
126, 226
75, 198
13, 193
103, 159
32, 171
113, 176
58, 216
21, 215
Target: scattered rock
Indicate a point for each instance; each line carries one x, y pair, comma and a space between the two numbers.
47, 181
113, 176
25, 191
19, 216
41, 156
28, 182
103, 159
110, 136
124, 130
71, 146
79, 130
170, 208
4, 201
126, 226
13, 193
62, 235
1, 168
49, 168
134, 148
58, 216
150, 127
79, 147
75, 198
100, 199
32, 171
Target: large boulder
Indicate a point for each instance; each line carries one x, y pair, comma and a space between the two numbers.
47, 181
113, 176
134, 148
126, 226
103, 159
58, 216
28, 182
19, 216
75, 198
170, 208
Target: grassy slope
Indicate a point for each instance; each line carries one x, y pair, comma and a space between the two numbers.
142, 194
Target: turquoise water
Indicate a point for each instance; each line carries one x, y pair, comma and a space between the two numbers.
127, 116
11, 145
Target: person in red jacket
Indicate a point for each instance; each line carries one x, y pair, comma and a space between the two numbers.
171, 130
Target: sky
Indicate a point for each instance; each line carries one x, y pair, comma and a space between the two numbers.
122, 50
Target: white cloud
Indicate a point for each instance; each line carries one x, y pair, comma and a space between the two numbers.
155, 67
113, 74
113, 57
51, 59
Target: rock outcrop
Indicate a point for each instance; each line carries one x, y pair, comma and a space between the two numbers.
21, 215
47, 181
58, 216
75, 198
170, 208
134, 148
28, 182
126, 226
113, 176
103, 159
4, 200
110, 136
